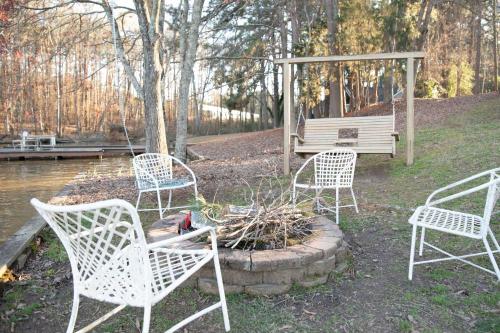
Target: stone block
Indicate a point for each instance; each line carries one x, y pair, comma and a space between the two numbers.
242, 278
342, 253
209, 286
306, 253
270, 260
285, 276
328, 245
235, 259
313, 281
267, 289
341, 267
21, 260
206, 272
322, 221
322, 267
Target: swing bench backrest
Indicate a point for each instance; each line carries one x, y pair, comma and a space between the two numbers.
375, 135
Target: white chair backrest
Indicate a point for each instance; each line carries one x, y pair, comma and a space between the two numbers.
492, 196
337, 163
158, 166
105, 245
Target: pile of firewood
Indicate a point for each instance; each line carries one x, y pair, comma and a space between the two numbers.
267, 223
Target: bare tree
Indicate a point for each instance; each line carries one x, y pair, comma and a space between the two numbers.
478, 28
189, 40
495, 43
332, 8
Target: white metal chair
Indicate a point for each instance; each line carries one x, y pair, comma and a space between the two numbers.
154, 173
333, 169
111, 261
457, 223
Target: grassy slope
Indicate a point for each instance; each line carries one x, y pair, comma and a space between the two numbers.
444, 152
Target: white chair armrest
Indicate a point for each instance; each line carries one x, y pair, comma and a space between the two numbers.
184, 166
483, 186
190, 235
460, 182
302, 168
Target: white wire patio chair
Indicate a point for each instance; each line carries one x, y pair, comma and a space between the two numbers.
333, 170
154, 173
457, 223
111, 261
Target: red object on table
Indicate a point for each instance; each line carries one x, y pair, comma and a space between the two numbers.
186, 223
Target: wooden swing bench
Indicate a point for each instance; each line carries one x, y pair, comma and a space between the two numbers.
375, 135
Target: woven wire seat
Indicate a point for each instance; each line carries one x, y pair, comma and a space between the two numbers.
111, 261
333, 170
154, 173
167, 183
458, 223
450, 221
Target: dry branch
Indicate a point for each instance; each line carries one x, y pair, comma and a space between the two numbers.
268, 222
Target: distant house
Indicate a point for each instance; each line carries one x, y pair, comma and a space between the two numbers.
214, 112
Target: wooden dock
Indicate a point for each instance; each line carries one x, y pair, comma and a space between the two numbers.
61, 152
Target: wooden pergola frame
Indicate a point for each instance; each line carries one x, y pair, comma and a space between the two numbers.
410, 82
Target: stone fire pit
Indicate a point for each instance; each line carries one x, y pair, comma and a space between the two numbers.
270, 272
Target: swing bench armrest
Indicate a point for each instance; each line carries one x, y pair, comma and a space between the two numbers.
395, 135
297, 137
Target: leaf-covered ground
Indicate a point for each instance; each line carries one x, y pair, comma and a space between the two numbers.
455, 138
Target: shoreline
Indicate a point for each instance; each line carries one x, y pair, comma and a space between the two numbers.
15, 250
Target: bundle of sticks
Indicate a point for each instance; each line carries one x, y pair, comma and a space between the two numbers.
258, 226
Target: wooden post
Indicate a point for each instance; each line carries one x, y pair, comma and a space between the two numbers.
293, 115
286, 111
410, 119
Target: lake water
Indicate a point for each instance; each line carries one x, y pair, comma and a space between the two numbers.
22, 180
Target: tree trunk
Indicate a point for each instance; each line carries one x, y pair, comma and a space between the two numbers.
284, 52
423, 21
358, 89
477, 67
186, 76
59, 100
149, 25
459, 78
263, 96
75, 91
156, 140
197, 109
331, 16
495, 44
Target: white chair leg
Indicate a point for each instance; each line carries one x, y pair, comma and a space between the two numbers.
195, 191
354, 199
317, 202
74, 313
494, 239
222, 296
169, 199
159, 204
147, 319
138, 200
294, 199
337, 213
492, 257
412, 251
422, 238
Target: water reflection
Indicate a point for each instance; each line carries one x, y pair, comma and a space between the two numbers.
22, 180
